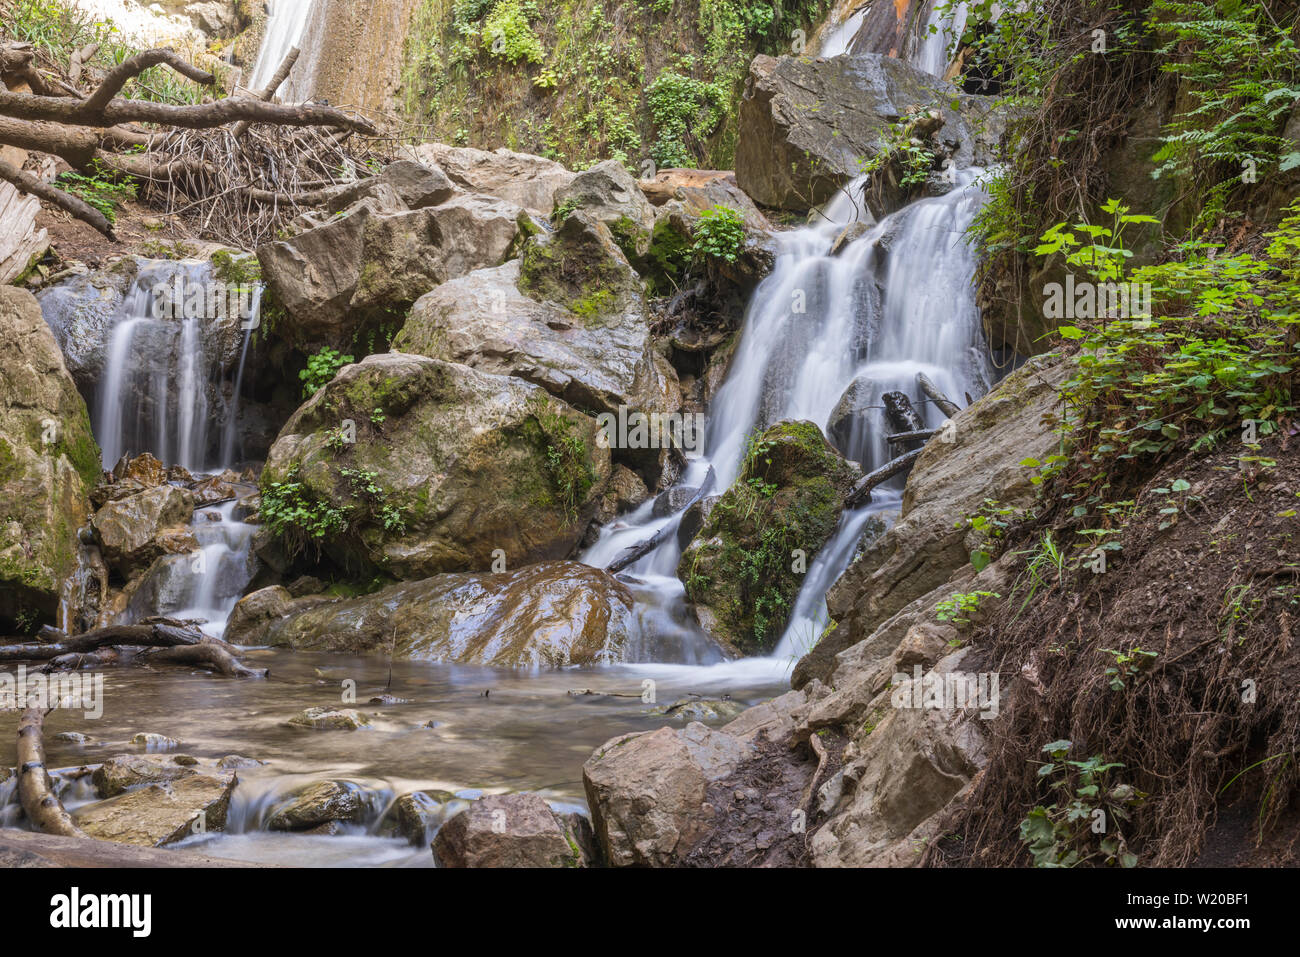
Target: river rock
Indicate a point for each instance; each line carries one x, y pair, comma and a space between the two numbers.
152, 741
126, 771
948, 483
319, 803
700, 709
520, 178
701, 189
48, 464
507, 830
133, 531
449, 433
806, 125
740, 569
160, 814
553, 614
331, 719
646, 791
252, 613
417, 815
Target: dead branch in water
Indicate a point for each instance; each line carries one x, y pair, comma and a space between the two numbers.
148, 643
861, 493
40, 804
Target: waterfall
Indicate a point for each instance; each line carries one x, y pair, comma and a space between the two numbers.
894, 302
284, 30
926, 45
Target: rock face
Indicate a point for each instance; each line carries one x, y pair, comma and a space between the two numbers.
647, 791
447, 433
948, 483
807, 124
520, 178
553, 614
701, 189
608, 193
160, 814
360, 268
508, 830
48, 463
739, 570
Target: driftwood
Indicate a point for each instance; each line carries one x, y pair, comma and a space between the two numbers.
585, 692
921, 436
900, 413
634, 552
861, 493
265, 94
153, 642
946, 405
40, 804
102, 130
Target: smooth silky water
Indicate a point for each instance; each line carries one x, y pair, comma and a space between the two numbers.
896, 301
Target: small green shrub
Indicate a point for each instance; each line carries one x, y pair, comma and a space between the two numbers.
719, 235
321, 368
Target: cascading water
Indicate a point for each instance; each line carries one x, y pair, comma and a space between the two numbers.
284, 30
927, 46
895, 302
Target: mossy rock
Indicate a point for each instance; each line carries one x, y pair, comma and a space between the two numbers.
744, 568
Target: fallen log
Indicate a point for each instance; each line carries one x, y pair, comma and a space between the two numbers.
861, 493
265, 94
40, 804
158, 635
151, 642
946, 405
921, 436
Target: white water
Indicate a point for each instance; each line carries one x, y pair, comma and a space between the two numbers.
284, 30
927, 49
897, 301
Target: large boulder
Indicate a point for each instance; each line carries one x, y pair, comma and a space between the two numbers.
948, 483
552, 614
358, 269
520, 178
319, 803
647, 791
417, 185
509, 830
701, 189
48, 464
742, 570
135, 530
593, 349
407, 495
159, 814
608, 193
807, 125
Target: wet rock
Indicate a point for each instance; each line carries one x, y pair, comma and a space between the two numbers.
700, 709
673, 500
520, 178
507, 830
331, 719
451, 432
151, 741
741, 570
626, 491
185, 760
256, 610
234, 761
159, 814
48, 463
553, 614
848, 425
135, 530
417, 815
212, 490
646, 791
320, 803
806, 125
701, 189
73, 737
694, 518
127, 771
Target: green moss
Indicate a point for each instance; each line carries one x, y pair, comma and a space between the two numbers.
744, 564
665, 265
236, 268
575, 271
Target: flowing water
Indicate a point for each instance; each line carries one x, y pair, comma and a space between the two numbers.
893, 302
927, 48
284, 30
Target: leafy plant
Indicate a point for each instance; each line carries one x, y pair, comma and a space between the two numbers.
322, 366
1126, 665
98, 189
719, 235
960, 606
1083, 823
